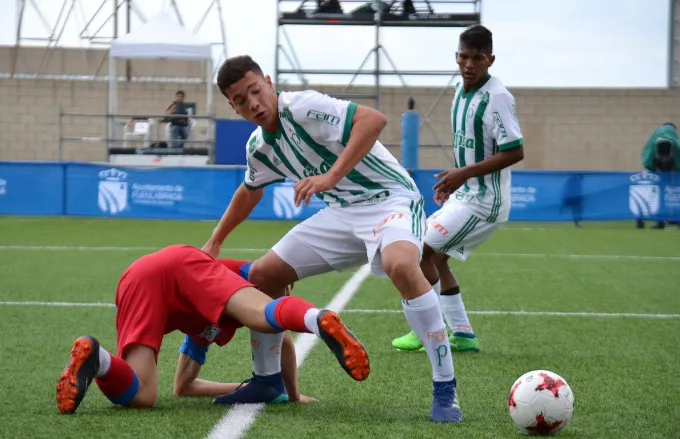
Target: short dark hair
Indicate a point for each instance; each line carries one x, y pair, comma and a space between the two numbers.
671, 124
180, 92
234, 69
479, 37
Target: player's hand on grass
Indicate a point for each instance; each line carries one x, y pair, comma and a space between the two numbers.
303, 399
451, 180
306, 188
212, 248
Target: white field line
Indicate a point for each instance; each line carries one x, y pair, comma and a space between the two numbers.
238, 420
263, 250
531, 313
336, 307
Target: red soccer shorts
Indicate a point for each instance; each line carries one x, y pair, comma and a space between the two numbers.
177, 288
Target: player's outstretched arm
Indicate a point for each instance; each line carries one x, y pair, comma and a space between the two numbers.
240, 207
452, 179
289, 371
367, 124
189, 364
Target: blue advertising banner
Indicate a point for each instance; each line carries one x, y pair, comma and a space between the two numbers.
31, 188
172, 193
231, 137
35, 188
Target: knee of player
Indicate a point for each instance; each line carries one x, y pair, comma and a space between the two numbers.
145, 400
264, 279
400, 268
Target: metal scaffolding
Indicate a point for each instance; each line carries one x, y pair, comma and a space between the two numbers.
111, 19
328, 14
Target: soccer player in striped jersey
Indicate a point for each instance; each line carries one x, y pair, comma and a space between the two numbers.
475, 194
374, 215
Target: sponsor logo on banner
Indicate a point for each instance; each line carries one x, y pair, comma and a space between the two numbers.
284, 201
644, 194
113, 191
3, 187
116, 193
671, 196
522, 196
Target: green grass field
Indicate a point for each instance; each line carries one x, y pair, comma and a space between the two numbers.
624, 369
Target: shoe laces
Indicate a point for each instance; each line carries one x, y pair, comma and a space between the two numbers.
252, 378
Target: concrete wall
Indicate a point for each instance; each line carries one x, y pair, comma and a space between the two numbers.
564, 128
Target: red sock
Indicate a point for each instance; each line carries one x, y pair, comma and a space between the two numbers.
120, 384
288, 313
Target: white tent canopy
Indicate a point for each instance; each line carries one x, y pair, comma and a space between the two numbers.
159, 38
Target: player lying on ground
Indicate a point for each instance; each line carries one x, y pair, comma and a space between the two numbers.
374, 213
182, 288
275, 367
476, 193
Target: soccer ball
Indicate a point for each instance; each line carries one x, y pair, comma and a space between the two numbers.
540, 403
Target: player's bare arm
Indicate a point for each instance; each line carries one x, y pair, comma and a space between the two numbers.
240, 207
367, 124
452, 179
187, 383
289, 371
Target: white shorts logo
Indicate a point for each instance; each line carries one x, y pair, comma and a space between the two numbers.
113, 191
645, 194
284, 201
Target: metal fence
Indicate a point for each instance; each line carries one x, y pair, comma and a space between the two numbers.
95, 136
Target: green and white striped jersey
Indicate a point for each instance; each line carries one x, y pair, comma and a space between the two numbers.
483, 122
313, 131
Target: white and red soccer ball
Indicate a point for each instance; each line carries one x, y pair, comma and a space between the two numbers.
540, 403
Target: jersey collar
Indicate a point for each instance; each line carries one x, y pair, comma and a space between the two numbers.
472, 92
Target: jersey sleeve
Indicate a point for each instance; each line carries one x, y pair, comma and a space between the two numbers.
260, 172
505, 129
322, 117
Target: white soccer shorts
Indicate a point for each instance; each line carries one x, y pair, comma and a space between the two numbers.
456, 231
340, 238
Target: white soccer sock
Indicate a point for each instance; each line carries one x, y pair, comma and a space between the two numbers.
425, 317
437, 287
266, 350
454, 311
310, 320
104, 362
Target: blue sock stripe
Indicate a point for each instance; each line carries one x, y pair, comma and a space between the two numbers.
464, 334
270, 314
244, 271
127, 396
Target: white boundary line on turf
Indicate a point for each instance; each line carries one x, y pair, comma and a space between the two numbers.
530, 313
239, 418
335, 307
263, 250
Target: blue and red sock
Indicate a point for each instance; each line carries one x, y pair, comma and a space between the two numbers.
288, 313
242, 268
120, 383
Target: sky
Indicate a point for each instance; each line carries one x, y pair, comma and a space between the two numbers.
537, 43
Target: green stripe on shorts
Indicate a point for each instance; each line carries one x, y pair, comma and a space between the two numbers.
462, 233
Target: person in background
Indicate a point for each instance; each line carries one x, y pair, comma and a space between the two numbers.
179, 126
661, 153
